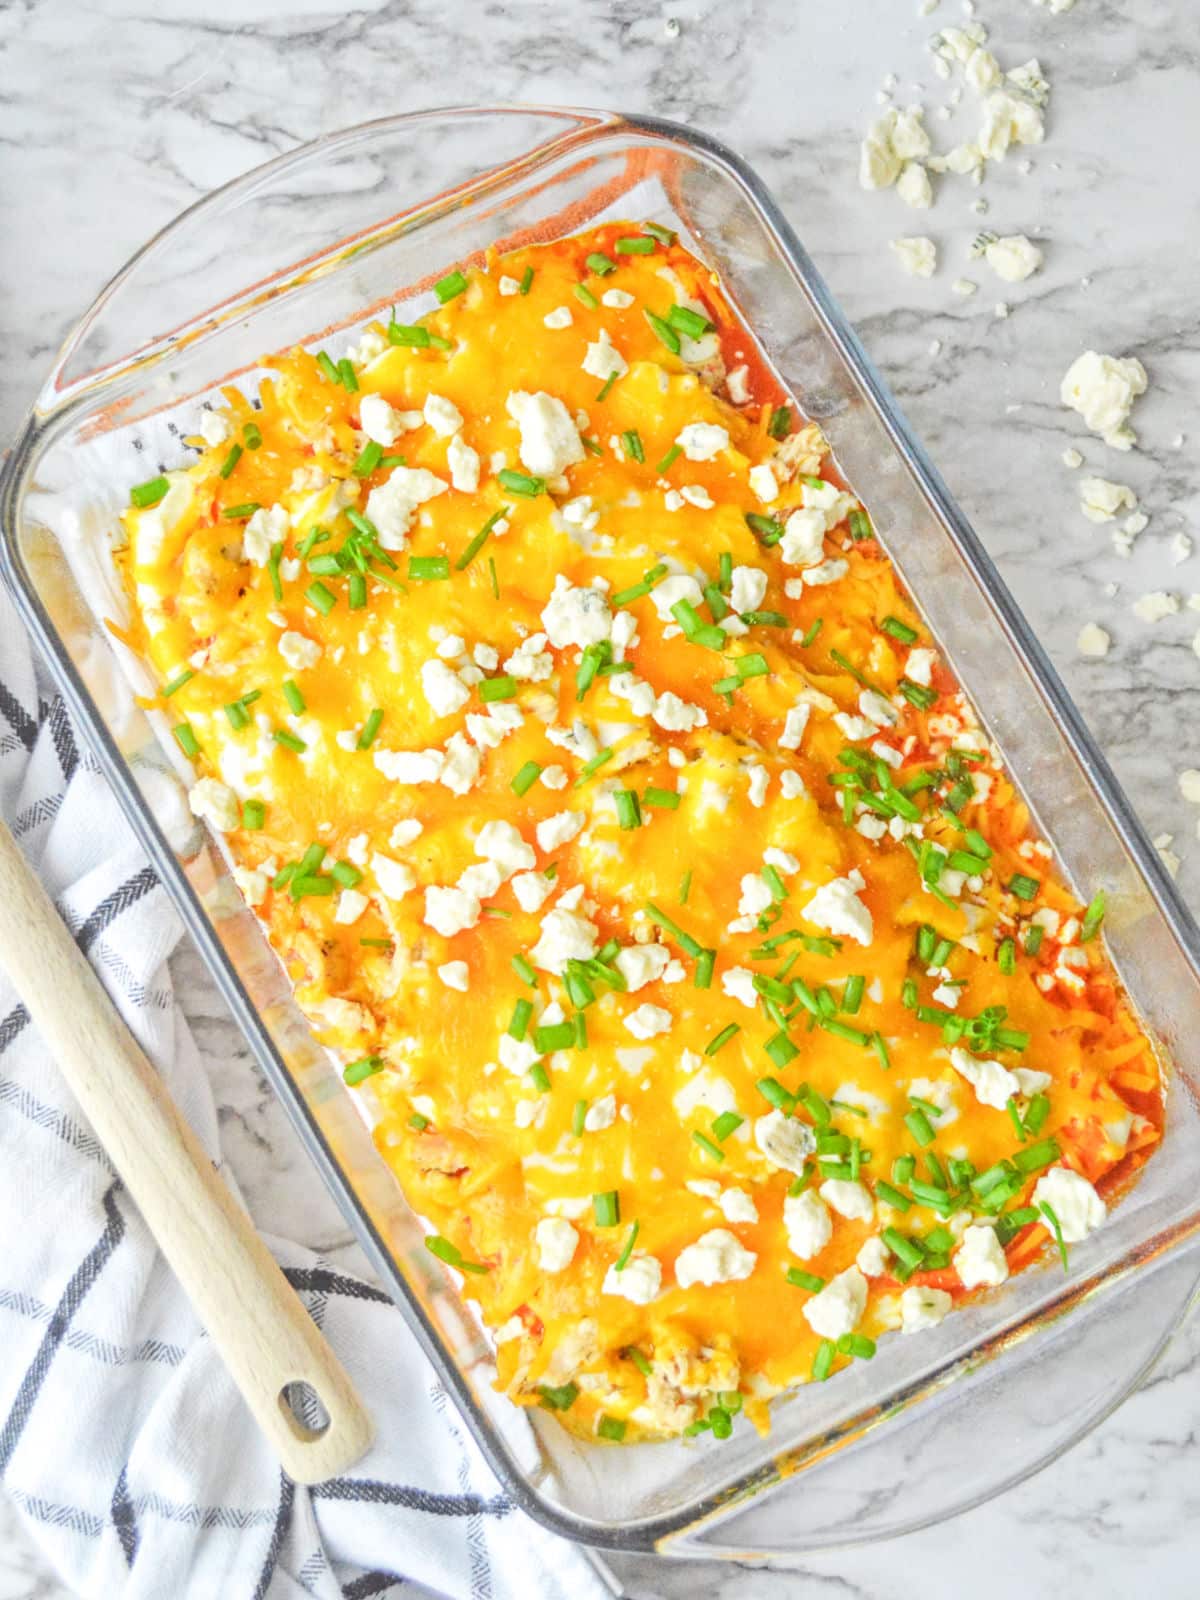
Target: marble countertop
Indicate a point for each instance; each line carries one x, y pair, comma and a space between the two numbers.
118, 114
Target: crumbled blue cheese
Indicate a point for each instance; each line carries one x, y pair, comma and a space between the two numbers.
718, 1256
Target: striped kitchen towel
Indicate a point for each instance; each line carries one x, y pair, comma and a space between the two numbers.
123, 1443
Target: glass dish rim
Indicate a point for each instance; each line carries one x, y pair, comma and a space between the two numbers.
581, 127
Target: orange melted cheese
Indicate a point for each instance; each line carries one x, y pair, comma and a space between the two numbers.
489, 1135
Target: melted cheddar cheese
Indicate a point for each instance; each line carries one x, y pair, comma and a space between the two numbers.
625, 836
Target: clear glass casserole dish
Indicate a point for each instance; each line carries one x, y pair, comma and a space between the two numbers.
306, 248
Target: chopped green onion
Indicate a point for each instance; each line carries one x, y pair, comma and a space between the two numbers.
690, 946
584, 295
775, 1094
526, 280
1092, 917
254, 815
231, 460
177, 683
364, 1067
811, 634
663, 331
501, 688
539, 1077
239, 513
892, 1196
917, 694
290, 741
329, 367
709, 1147
823, 1360
523, 969
526, 778
705, 965
664, 799
410, 334
724, 1125
766, 529
345, 873
607, 1208
899, 630
612, 1428
1034, 935
1036, 1156
600, 264
669, 460
1048, 1212
152, 491
452, 284
657, 231
856, 1344
860, 526
369, 458
1025, 888
1006, 957
252, 434
719, 1040
1036, 1113
688, 322
480, 539
781, 1049
780, 423
417, 1122
318, 595
853, 992
629, 813
188, 741
558, 1399
428, 569
919, 1125
631, 443
634, 246
804, 1280
293, 696
347, 375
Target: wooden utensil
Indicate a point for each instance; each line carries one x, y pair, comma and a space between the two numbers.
262, 1331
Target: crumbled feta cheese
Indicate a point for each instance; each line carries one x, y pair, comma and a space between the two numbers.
1073, 1200
501, 843
1102, 389
993, 1083
565, 936
555, 1240
1101, 501
979, 1260
738, 984
759, 780
748, 587
647, 1021
216, 804
737, 385
737, 1206
917, 255
803, 542
964, 287
443, 689
837, 1309
379, 420
872, 1257
299, 652
794, 724
516, 1055
410, 766
702, 441
807, 1223
214, 427
509, 286
826, 572
616, 299
600, 1114
640, 964
560, 317
849, 1199
532, 890
914, 187
404, 833
450, 910
785, 1141
1071, 458
1156, 605
550, 441
559, 829
922, 1308
919, 666
837, 908
675, 715
393, 504
1092, 640
454, 974
1013, 258
576, 616
393, 877
717, 1256
464, 465
603, 359
638, 1281
267, 527
461, 765
763, 484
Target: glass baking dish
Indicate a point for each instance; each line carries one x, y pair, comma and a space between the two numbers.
303, 250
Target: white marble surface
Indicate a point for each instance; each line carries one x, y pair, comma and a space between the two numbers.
117, 113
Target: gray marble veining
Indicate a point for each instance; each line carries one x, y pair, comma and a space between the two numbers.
115, 114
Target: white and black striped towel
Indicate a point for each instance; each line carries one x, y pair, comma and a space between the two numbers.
123, 1443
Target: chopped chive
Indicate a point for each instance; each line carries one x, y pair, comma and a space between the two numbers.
853, 992
480, 539
860, 526
823, 1360
1036, 1156
584, 295
631, 443
751, 666
892, 1196
663, 331
657, 231
346, 874
634, 245
775, 1094
523, 969
1034, 935
856, 1344
917, 694
690, 946
685, 887
594, 765
579, 1112
448, 287
347, 375
1025, 888
521, 483
607, 1208
780, 423
812, 632
907, 1250
688, 322
1006, 957
539, 1077
231, 460
329, 367
705, 964
764, 619
428, 569
254, 815
804, 1280
293, 696
1048, 1212
364, 1067
708, 1146
519, 1025
899, 630
152, 491
600, 264
720, 1040
919, 1125
320, 596
187, 739
369, 729
501, 688
239, 513
781, 1049
290, 741
237, 714
726, 1124
605, 388
1036, 1113
252, 434
356, 591
526, 280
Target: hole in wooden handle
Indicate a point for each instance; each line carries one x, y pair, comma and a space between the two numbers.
304, 1411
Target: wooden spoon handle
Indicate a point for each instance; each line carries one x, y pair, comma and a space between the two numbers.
266, 1338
